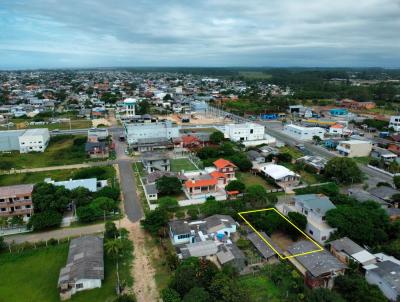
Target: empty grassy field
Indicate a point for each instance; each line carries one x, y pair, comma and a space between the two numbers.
259, 288
180, 164
62, 150
107, 172
249, 179
32, 275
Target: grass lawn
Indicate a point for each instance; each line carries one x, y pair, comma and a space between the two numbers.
34, 274
75, 124
292, 151
364, 160
180, 164
259, 288
249, 179
62, 150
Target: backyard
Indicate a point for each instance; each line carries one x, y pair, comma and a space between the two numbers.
259, 288
107, 172
250, 179
35, 272
62, 150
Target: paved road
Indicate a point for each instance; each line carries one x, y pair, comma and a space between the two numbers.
132, 204
56, 234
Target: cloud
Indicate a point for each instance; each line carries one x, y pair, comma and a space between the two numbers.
52, 33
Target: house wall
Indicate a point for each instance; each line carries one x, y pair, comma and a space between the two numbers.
321, 234
33, 143
387, 290
303, 133
87, 284
150, 131
395, 122
9, 140
245, 132
355, 150
19, 205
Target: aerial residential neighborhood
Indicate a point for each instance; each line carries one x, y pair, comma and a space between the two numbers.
199, 151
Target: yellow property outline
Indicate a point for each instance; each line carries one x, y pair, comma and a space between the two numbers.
320, 248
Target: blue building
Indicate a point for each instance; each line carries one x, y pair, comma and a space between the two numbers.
269, 116
339, 111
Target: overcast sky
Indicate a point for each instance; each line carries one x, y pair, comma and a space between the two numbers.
102, 33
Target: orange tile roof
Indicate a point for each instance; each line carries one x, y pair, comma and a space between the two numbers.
232, 192
188, 139
200, 183
217, 174
222, 163
339, 126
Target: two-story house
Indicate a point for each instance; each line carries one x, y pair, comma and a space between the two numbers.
225, 167
314, 207
153, 162
16, 201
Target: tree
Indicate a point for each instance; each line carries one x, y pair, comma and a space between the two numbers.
365, 223
343, 170
324, 295
89, 213
235, 185
298, 219
81, 196
168, 203
197, 294
2, 243
356, 289
109, 192
111, 230
143, 107
43, 220
316, 139
285, 157
155, 220
242, 162
256, 195
47, 197
17, 220
168, 185
225, 288
217, 137
193, 212
170, 295
396, 181
6, 165
211, 207
105, 204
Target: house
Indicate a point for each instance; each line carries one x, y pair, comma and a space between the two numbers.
385, 193
265, 251
386, 275
140, 133
338, 111
150, 187
190, 141
85, 266
363, 196
184, 232
267, 150
381, 153
230, 254
316, 162
346, 250
225, 167
201, 185
151, 192
249, 134
92, 184
129, 105
395, 123
96, 149
281, 175
255, 156
354, 148
303, 133
34, 140
100, 133
155, 162
395, 148
314, 207
321, 268
336, 129
16, 201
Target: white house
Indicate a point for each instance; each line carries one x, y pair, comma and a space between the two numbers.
129, 105
249, 134
92, 184
395, 123
314, 207
34, 140
303, 133
336, 129
282, 176
85, 266
354, 148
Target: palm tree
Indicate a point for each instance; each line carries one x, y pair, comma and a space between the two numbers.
114, 248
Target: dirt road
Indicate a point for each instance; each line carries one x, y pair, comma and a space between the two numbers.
144, 285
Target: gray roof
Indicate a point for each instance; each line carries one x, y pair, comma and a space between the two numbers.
228, 253
317, 263
362, 196
346, 245
153, 176
200, 249
85, 260
261, 246
151, 189
219, 221
154, 156
89, 146
383, 192
207, 225
314, 161
393, 211
179, 227
316, 202
253, 155
390, 272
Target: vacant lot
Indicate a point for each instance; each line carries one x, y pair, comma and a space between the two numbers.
107, 172
32, 276
62, 150
250, 179
295, 153
259, 288
180, 164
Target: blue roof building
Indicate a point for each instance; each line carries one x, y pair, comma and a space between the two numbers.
339, 111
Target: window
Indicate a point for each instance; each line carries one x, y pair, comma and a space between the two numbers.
79, 285
26, 197
323, 238
311, 232
183, 236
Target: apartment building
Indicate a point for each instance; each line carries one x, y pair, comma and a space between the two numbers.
249, 134
159, 131
395, 123
354, 148
303, 133
34, 140
16, 201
